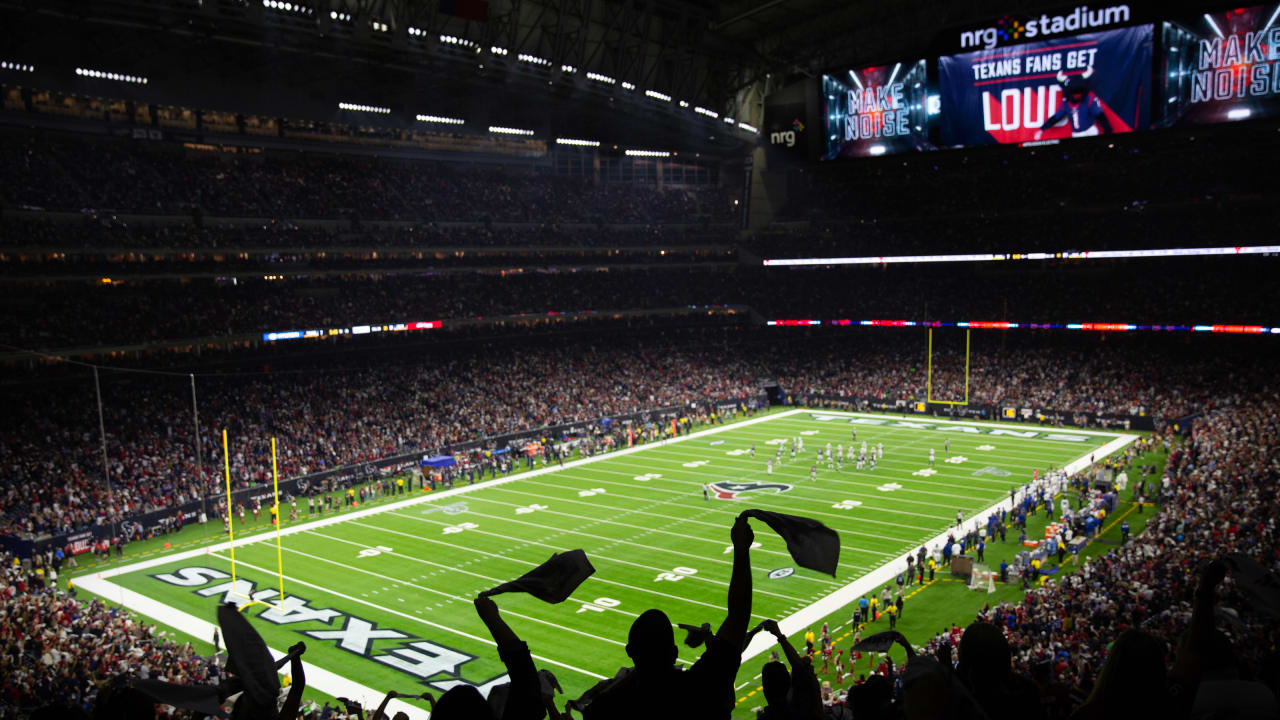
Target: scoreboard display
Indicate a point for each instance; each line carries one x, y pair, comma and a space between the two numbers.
1073, 86
876, 110
1070, 72
1221, 67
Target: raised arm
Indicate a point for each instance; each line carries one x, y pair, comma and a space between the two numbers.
734, 628
525, 699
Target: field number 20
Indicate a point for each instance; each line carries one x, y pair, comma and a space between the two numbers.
676, 574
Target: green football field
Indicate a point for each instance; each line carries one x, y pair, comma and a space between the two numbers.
382, 595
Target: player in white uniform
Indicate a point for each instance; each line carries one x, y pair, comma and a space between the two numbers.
880, 450
768, 466
930, 457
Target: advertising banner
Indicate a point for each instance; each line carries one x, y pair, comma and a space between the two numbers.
1077, 86
1220, 67
878, 110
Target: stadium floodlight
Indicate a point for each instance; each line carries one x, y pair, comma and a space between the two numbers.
290, 7
627, 86
709, 113
454, 40
357, 107
508, 131
579, 143
416, 32
441, 120
748, 128
19, 67
533, 59
877, 149
684, 103
601, 78
657, 95
648, 153
341, 16
568, 69
728, 120
498, 50
104, 75
1238, 114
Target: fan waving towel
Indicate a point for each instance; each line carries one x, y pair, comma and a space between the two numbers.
811, 544
553, 581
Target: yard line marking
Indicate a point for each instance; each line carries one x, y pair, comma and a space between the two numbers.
627, 542
438, 626
610, 559
449, 595
683, 520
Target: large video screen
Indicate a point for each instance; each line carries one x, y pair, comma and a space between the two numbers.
877, 110
1078, 86
1221, 66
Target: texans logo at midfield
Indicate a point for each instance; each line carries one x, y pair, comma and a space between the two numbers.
733, 490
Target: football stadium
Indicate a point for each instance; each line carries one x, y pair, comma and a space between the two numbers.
519, 359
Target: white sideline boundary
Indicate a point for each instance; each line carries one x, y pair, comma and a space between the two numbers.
814, 613
333, 684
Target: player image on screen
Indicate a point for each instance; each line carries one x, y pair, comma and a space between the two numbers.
1079, 106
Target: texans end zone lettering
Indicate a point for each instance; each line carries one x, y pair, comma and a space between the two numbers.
1090, 84
735, 490
430, 663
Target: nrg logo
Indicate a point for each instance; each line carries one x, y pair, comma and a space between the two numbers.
787, 137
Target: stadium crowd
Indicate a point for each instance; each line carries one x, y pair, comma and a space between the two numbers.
71, 174
1177, 622
322, 418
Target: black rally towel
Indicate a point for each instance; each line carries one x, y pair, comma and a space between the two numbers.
811, 544
553, 581
880, 642
249, 659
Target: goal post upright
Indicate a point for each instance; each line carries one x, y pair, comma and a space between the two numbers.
231, 524
275, 482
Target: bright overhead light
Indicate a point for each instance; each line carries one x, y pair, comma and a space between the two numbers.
648, 153
703, 111
533, 59
356, 107
1238, 114
580, 143
684, 103
21, 67
601, 78
748, 128
568, 69
498, 50
103, 75
657, 95
379, 26
439, 119
452, 40
627, 86
508, 131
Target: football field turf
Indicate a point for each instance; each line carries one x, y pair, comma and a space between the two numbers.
382, 595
